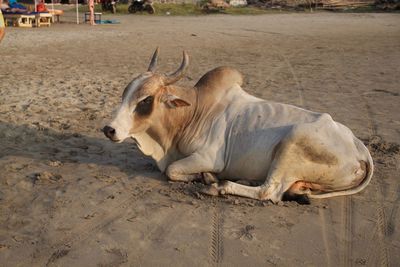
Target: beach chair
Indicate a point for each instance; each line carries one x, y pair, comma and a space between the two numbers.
97, 17
19, 20
56, 15
43, 19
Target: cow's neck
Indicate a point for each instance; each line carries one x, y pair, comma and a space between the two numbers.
160, 140
151, 148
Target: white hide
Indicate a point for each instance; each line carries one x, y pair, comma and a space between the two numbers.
123, 122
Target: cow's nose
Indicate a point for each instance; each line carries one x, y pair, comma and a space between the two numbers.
109, 132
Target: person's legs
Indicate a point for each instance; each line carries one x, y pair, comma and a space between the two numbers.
2, 26
91, 9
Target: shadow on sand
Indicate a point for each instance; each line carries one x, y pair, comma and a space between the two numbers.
46, 144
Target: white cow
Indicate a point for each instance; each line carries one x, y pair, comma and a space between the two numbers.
215, 130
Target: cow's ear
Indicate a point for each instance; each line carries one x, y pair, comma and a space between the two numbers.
174, 101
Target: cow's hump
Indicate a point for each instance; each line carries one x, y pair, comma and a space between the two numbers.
219, 79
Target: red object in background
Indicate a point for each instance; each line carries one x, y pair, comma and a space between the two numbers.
41, 7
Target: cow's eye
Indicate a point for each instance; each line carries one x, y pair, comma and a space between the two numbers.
147, 100
145, 106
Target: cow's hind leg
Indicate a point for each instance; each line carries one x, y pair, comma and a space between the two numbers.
232, 188
273, 190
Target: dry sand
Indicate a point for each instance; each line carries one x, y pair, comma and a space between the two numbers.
69, 197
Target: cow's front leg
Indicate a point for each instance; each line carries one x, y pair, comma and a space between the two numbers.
192, 168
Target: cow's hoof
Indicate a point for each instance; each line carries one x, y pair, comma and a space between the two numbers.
209, 178
211, 190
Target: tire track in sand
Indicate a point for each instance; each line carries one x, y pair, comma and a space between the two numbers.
393, 214
382, 230
381, 222
158, 233
300, 89
84, 231
324, 225
347, 229
322, 213
217, 245
379, 234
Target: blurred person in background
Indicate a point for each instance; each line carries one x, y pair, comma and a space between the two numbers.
2, 26
41, 6
91, 9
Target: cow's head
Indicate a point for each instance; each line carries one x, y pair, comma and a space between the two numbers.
145, 100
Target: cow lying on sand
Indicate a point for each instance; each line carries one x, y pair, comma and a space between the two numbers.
215, 130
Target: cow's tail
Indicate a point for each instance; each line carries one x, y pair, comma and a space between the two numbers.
367, 178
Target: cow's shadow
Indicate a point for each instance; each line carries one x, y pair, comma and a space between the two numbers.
36, 142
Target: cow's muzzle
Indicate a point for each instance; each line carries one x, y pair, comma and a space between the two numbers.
110, 133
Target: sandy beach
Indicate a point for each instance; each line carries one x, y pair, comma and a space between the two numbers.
70, 197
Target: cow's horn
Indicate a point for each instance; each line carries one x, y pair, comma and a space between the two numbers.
177, 75
153, 62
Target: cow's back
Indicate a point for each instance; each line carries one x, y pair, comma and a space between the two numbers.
255, 128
